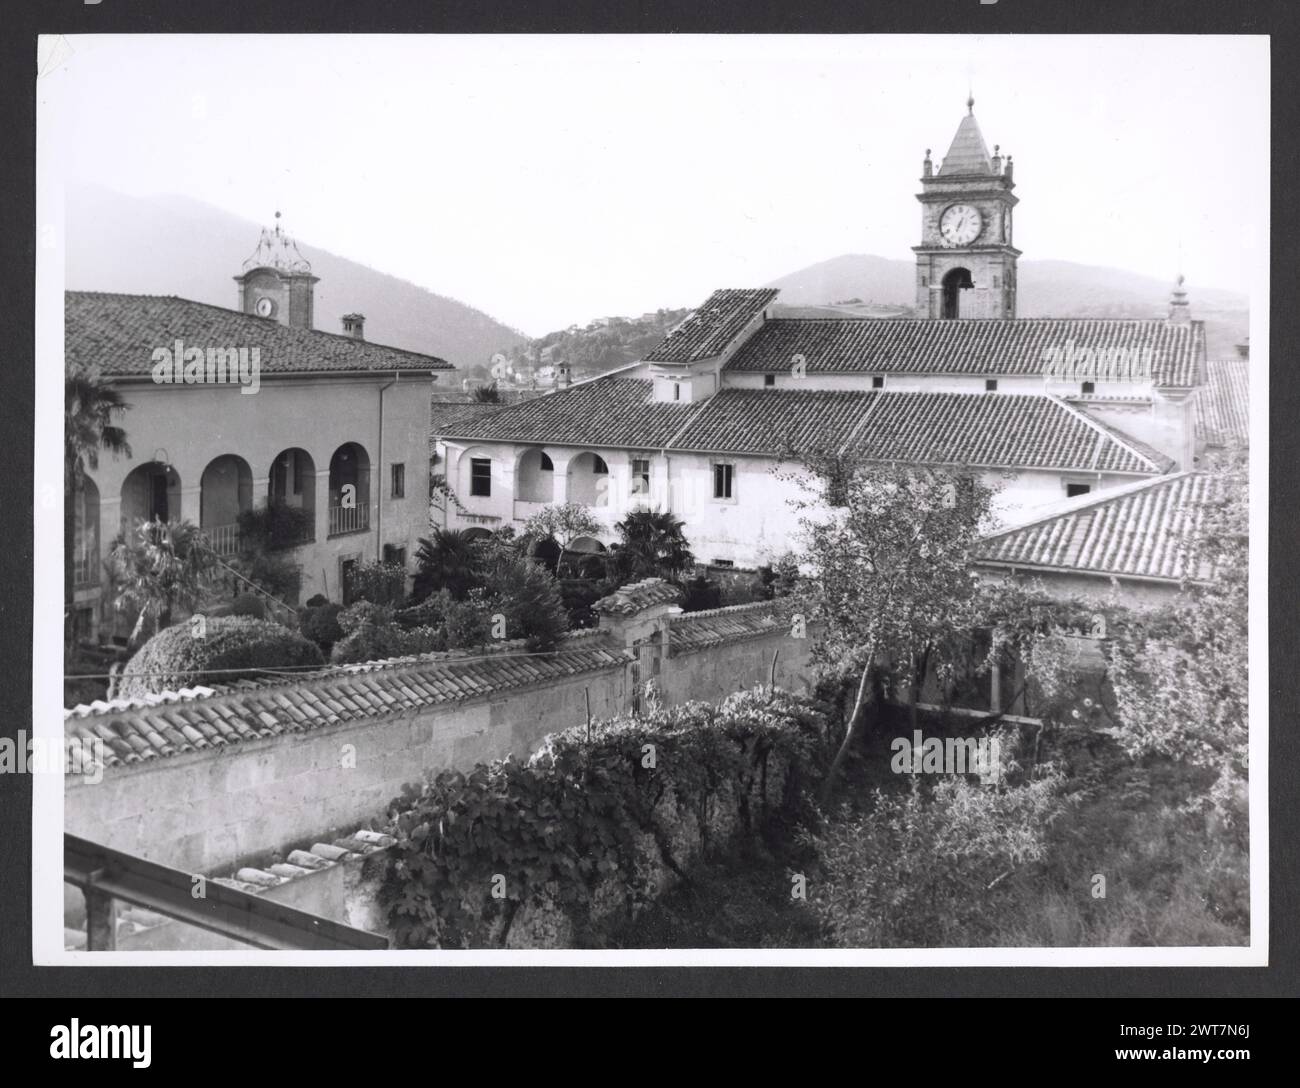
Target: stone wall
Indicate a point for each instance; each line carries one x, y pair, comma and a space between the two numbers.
207, 811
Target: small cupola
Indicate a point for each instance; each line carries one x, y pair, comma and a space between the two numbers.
277, 282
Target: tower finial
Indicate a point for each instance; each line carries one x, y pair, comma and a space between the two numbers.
970, 102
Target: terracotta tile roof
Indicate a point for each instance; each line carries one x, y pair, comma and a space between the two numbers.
1141, 530
995, 430
765, 421
632, 598
118, 334
231, 714
707, 331
615, 412
1013, 347
444, 415
1223, 406
693, 631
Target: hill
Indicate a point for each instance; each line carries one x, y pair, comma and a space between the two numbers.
177, 246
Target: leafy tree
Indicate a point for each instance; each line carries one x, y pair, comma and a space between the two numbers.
446, 560
652, 545
1181, 674
90, 405
564, 523
159, 566
890, 576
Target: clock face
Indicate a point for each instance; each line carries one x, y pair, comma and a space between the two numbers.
265, 307
960, 224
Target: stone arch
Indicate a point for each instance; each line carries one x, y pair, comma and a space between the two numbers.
954, 282
589, 480
535, 476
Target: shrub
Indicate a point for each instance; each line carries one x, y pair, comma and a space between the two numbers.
579, 594
382, 583
468, 623
274, 527
430, 612
586, 832
276, 572
317, 600
924, 867
246, 604
527, 596
174, 658
701, 595
369, 633
320, 623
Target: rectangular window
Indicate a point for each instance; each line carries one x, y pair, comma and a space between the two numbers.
769, 379
640, 476
395, 553
399, 481
1089, 387
480, 476
878, 382
722, 479
990, 385
1074, 490
724, 563
677, 391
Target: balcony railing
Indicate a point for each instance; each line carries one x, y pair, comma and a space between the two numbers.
349, 519
223, 539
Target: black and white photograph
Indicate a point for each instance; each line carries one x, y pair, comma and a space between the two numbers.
642, 499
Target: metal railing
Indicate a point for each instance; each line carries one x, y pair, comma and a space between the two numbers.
223, 539
106, 876
349, 519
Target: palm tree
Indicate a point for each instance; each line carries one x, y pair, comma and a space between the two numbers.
158, 567
89, 407
653, 544
486, 394
447, 560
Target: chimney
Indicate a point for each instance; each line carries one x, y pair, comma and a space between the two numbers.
562, 377
1179, 312
354, 325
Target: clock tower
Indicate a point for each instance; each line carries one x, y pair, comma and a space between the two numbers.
277, 282
966, 264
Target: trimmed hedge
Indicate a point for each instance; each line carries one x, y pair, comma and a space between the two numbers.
560, 850
174, 658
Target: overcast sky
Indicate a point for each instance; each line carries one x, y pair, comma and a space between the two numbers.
550, 180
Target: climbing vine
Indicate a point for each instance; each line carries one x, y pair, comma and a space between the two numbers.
593, 827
